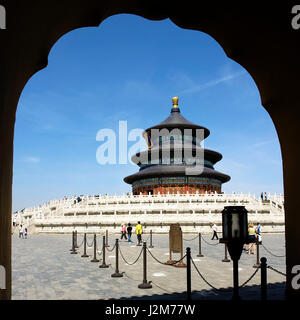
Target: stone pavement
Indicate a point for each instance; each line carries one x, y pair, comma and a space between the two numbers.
43, 268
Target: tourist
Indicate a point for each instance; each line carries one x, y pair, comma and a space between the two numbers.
25, 233
123, 231
258, 228
251, 238
21, 231
214, 227
139, 232
262, 196
258, 231
129, 232
266, 196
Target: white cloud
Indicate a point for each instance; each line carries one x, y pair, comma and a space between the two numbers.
32, 159
212, 83
263, 143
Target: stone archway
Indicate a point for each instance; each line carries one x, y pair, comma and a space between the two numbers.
259, 38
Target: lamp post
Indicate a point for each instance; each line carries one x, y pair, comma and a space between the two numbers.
235, 235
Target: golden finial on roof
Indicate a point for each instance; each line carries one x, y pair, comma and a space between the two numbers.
175, 102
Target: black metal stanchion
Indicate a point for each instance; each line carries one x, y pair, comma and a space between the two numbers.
151, 245
117, 274
200, 253
103, 265
257, 265
72, 241
225, 258
95, 250
73, 244
76, 243
236, 280
188, 274
263, 285
106, 238
84, 247
145, 284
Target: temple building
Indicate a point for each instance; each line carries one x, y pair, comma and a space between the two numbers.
175, 161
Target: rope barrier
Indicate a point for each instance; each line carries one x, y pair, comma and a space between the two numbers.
283, 274
210, 285
132, 263
211, 244
175, 262
252, 276
219, 289
278, 256
190, 239
165, 290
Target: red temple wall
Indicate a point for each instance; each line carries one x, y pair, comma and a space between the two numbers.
174, 189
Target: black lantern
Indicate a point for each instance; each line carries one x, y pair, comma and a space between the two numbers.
235, 235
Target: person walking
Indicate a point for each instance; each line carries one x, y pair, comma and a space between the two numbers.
21, 230
252, 238
129, 232
123, 231
214, 227
262, 196
139, 232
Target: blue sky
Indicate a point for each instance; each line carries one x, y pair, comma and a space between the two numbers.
129, 68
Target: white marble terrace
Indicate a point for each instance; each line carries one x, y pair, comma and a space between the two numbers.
194, 212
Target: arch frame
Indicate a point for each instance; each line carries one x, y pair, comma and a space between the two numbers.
258, 37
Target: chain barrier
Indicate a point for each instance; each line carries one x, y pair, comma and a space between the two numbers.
211, 244
283, 274
126, 275
146, 239
132, 263
191, 239
112, 249
175, 262
165, 290
87, 243
99, 254
81, 243
277, 256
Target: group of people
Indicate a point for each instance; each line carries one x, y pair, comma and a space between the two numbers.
23, 232
127, 231
254, 236
263, 196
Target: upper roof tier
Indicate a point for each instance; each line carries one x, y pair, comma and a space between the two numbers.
176, 120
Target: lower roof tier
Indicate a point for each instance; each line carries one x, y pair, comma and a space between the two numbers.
176, 170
